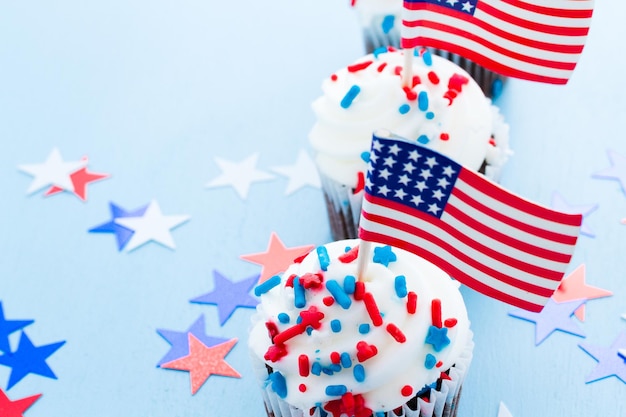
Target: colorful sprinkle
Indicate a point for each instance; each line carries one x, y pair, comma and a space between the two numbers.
289, 333
365, 156
328, 301
350, 255
372, 309
283, 318
433, 77
365, 351
338, 294
398, 70
334, 77
422, 101
359, 373
457, 81
303, 365
384, 255
310, 280
279, 385
439, 364
347, 100
410, 94
407, 390
316, 369
346, 361
359, 290
267, 285
427, 57
411, 303
312, 317
335, 357
435, 311
336, 390
444, 136
360, 182
349, 284
272, 330
404, 109
396, 333
416, 81
359, 67
437, 337
449, 323
400, 286
381, 67
430, 361
430, 115
335, 325
388, 23
275, 353
299, 295
423, 139
322, 256
378, 51
302, 388
364, 328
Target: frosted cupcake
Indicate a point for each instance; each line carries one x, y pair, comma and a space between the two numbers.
381, 20
323, 343
442, 108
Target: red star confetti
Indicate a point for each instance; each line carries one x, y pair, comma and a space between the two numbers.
276, 258
204, 361
80, 179
15, 408
573, 287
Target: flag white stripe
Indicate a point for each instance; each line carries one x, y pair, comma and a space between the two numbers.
563, 4
541, 18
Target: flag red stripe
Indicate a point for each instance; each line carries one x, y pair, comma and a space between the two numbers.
459, 255
450, 270
498, 193
552, 47
550, 11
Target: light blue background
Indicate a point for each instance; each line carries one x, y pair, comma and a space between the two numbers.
152, 92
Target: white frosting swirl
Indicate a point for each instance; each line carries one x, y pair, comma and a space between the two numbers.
399, 370
459, 124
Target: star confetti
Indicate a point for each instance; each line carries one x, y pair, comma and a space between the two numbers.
53, 172
203, 361
80, 179
276, 258
573, 287
228, 295
180, 340
15, 408
610, 363
617, 170
554, 316
7, 327
152, 226
29, 359
302, 173
239, 175
559, 204
122, 234
503, 411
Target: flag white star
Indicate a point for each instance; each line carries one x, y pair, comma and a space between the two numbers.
431, 162
414, 155
467, 6
417, 200
389, 161
383, 190
409, 167
373, 157
448, 171
394, 149
368, 183
452, 2
438, 194
421, 185
433, 208
400, 193
385, 173
53, 172
442, 182
425, 174
404, 179
302, 173
239, 175
377, 146
153, 226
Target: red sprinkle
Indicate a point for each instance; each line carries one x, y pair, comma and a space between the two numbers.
310, 280
492, 141
347, 400
302, 388
360, 66
407, 390
457, 81
333, 77
272, 329
435, 311
398, 70
391, 49
359, 290
328, 301
360, 182
275, 353
433, 77
289, 333
372, 309
438, 364
381, 67
289, 282
311, 317
335, 357
450, 322
396, 333
349, 256
303, 365
410, 94
411, 302
416, 81
444, 136
365, 351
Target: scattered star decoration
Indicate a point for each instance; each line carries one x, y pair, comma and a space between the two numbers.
573, 287
180, 340
80, 179
559, 204
503, 411
152, 226
228, 295
276, 258
122, 234
610, 363
7, 327
554, 316
302, 173
29, 359
239, 175
617, 170
15, 408
203, 361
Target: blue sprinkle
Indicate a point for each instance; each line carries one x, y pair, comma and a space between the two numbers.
438, 337
423, 139
298, 291
400, 286
349, 284
299, 320
322, 256
380, 414
359, 374
347, 100
347, 248
364, 328
335, 367
279, 385
388, 23
430, 115
378, 51
365, 156
430, 361
384, 255
422, 101
404, 109
496, 88
309, 330
316, 368
336, 390
338, 294
428, 58
267, 285
328, 371
284, 318
345, 359
335, 325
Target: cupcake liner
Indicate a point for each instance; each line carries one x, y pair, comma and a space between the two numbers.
343, 206
442, 399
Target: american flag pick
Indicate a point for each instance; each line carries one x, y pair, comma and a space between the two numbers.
485, 237
537, 40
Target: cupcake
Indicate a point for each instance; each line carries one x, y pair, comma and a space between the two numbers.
397, 342
381, 20
443, 108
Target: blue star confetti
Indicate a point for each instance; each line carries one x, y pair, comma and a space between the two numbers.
610, 362
7, 327
122, 234
228, 295
617, 170
559, 204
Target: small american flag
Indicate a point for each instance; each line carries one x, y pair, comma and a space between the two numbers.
537, 40
482, 235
